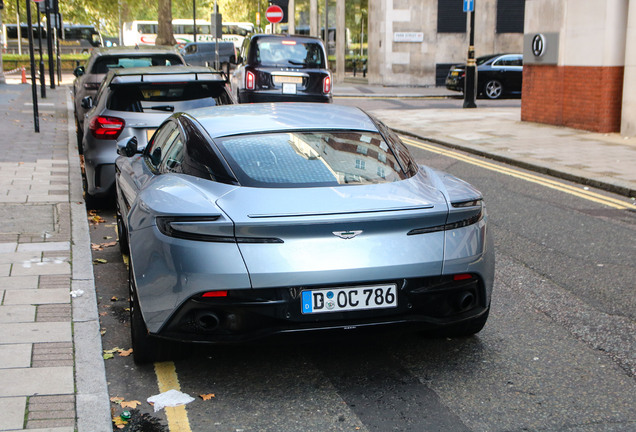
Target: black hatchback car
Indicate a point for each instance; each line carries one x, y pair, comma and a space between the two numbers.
497, 75
280, 68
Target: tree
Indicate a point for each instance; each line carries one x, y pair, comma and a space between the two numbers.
164, 29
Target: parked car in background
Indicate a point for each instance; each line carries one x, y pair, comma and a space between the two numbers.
498, 75
133, 102
204, 54
282, 68
253, 220
89, 76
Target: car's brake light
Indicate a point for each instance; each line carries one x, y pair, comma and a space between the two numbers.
250, 80
103, 127
326, 84
215, 294
205, 228
289, 42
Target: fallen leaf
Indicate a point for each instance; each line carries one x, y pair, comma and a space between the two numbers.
100, 261
103, 313
117, 399
114, 298
130, 404
102, 332
207, 396
125, 353
119, 422
108, 237
96, 247
108, 356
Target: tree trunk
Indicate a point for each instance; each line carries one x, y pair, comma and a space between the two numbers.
164, 29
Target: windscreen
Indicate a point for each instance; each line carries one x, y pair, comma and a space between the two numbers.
289, 52
105, 63
168, 97
305, 159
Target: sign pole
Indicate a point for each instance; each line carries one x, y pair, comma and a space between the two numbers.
34, 89
42, 76
49, 44
470, 79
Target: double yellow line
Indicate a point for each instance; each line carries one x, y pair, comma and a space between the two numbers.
552, 184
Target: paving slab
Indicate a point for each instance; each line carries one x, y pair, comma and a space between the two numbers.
35, 332
42, 268
16, 314
15, 356
48, 246
19, 282
37, 296
12, 413
41, 381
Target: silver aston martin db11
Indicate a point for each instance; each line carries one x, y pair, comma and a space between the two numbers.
247, 221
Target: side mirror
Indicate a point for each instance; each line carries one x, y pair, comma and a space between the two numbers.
87, 102
79, 71
128, 148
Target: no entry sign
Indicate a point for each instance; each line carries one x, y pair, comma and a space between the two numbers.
274, 14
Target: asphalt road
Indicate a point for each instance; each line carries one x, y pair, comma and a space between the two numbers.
557, 353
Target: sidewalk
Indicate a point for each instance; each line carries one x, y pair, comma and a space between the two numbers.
51, 369
604, 161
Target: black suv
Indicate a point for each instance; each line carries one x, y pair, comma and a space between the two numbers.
282, 68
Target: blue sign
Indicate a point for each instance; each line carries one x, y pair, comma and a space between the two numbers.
469, 5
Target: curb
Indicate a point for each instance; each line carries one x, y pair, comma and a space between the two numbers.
609, 187
92, 405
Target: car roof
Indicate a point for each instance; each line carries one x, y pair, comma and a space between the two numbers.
158, 74
301, 38
133, 51
283, 116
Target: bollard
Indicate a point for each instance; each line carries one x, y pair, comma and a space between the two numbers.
24, 81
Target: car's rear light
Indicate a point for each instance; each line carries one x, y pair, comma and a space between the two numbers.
250, 80
103, 127
472, 212
91, 85
215, 294
208, 229
462, 276
326, 84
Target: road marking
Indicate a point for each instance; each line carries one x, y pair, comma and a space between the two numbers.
168, 380
552, 184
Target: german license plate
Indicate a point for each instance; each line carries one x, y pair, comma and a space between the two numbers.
281, 79
348, 299
454, 73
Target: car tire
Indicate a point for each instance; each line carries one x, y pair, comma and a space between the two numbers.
146, 348
493, 89
124, 247
467, 328
78, 135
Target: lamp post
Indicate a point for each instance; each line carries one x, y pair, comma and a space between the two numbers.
469, 80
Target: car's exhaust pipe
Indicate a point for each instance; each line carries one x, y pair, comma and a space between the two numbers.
465, 301
207, 321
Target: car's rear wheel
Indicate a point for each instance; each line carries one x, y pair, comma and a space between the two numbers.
123, 235
493, 89
147, 348
78, 135
467, 328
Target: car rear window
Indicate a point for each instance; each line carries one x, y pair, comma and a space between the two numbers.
289, 52
168, 97
105, 63
302, 159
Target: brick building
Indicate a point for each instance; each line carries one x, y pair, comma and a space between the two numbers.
578, 61
581, 79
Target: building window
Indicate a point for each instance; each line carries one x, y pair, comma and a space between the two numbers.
360, 164
510, 15
450, 16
